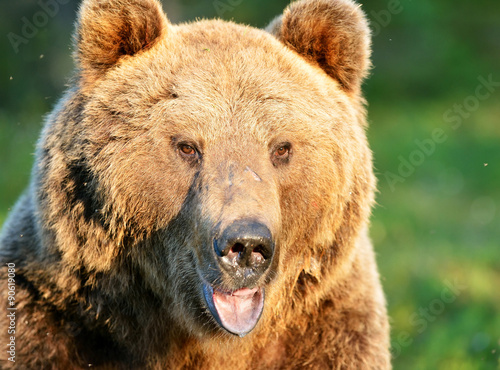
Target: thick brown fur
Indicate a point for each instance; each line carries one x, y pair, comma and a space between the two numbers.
333, 35
113, 233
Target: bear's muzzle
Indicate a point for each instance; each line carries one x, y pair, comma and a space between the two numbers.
244, 251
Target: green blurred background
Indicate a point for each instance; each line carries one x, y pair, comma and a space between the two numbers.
434, 115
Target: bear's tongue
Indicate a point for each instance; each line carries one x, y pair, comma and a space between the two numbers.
238, 311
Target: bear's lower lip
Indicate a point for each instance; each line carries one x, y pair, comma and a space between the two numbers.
239, 311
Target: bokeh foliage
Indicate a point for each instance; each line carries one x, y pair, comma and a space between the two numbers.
436, 229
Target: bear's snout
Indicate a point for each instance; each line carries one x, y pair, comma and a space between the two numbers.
244, 250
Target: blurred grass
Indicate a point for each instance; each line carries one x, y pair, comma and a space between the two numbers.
17, 141
440, 225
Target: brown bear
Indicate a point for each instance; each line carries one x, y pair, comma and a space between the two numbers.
200, 199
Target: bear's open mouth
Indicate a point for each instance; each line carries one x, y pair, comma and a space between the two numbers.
238, 311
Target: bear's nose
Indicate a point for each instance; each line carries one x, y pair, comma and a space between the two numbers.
245, 250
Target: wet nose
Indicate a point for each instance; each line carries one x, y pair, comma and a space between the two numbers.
245, 248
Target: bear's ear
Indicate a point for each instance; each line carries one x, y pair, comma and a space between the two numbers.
107, 30
333, 34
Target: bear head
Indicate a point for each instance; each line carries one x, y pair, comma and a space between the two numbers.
200, 170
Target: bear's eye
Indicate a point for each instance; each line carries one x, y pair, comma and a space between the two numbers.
281, 154
189, 152
281, 151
